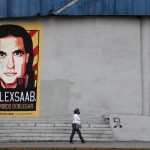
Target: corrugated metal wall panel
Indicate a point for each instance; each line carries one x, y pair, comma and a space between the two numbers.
91, 7
46, 7
35, 7
109, 7
3, 8
26, 8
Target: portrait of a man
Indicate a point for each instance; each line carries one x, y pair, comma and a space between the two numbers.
20, 53
16, 57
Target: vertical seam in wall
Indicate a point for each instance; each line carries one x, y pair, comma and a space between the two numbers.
141, 65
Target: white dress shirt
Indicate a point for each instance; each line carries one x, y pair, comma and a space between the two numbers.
76, 119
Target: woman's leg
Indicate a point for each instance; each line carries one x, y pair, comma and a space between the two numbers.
80, 135
72, 134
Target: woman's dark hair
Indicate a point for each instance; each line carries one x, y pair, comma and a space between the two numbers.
77, 111
18, 31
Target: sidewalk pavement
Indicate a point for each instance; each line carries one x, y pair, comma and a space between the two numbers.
74, 146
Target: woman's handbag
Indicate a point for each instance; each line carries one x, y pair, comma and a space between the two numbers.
76, 126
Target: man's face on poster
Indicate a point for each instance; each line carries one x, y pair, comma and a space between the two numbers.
13, 59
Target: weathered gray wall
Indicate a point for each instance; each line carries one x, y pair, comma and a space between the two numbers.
93, 64
99, 64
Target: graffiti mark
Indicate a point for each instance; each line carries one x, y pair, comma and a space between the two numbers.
117, 122
65, 7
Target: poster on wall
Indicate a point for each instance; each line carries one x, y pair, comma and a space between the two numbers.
20, 58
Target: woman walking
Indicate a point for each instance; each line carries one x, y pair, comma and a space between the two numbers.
76, 125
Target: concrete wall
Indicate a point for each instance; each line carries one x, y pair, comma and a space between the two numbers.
130, 127
99, 64
93, 64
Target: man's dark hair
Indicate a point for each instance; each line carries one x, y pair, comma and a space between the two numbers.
77, 111
18, 31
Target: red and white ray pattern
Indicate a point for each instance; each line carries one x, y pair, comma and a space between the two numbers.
35, 39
